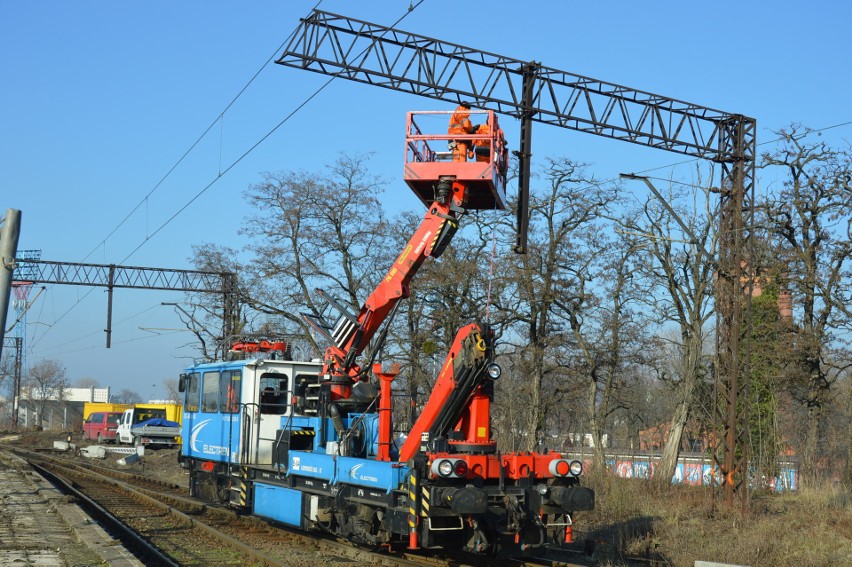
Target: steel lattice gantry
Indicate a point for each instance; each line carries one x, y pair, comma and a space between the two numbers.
111, 276
378, 55
15, 343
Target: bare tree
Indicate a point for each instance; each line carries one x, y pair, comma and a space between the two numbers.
7, 373
543, 289
308, 231
171, 386
86, 383
844, 428
312, 231
810, 219
610, 350
679, 270
44, 382
202, 314
7, 370
126, 396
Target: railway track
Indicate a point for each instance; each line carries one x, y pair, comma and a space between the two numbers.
166, 528
162, 526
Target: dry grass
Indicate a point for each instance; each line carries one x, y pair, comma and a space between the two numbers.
677, 525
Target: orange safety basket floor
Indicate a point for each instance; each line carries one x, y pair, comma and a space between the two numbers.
482, 190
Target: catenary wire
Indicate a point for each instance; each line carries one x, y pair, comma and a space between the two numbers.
315, 93
233, 164
148, 237
192, 146
172, 169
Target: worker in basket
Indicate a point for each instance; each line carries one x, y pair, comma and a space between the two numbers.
460, 124
482, 148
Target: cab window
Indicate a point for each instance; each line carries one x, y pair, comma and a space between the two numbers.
144, 414
273, 393
192, 389
229, 391
210, 392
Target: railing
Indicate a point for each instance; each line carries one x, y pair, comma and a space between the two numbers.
418, 149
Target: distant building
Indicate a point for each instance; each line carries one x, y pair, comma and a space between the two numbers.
55, 415
583, 440
694, 438
60, 409
87, 394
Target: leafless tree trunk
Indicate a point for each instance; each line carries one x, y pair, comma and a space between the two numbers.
44, 382
679, 263
690, 372
810, 220
546, 285
847, 414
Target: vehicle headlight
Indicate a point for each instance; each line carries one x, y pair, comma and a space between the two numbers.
494, 371
445, 468
449, 468
576, 468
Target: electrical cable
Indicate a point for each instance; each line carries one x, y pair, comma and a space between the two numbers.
125, 341
126, 319
283, 121
192, 146
148, 237
410, 9
180, 160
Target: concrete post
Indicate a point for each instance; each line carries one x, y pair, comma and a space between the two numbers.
10, 231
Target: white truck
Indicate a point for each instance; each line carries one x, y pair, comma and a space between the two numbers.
147, 426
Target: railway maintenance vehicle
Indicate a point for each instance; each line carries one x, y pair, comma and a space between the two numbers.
310, 444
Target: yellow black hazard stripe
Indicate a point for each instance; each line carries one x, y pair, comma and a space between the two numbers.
244, 477
412, 501
438, 234
294, 432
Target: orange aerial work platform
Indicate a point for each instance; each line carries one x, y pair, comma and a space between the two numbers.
429, 157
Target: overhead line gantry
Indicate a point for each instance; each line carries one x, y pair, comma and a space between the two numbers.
374, 54
112, 276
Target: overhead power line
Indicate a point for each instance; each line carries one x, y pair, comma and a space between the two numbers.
192, 146
221, 173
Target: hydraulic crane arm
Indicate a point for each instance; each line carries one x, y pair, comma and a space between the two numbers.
351, 335
448, 188
460, 380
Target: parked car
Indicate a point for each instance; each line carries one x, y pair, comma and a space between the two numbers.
147, 426
102, 426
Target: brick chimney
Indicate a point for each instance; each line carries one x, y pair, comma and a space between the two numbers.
785, 305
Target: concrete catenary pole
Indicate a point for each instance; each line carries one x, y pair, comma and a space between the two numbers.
10, 231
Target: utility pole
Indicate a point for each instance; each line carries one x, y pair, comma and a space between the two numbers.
16, 344
10, 231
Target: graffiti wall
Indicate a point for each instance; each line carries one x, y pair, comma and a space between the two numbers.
692, 470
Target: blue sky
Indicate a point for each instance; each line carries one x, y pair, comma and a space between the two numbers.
100, 99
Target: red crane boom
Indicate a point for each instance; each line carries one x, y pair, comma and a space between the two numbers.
449, 188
